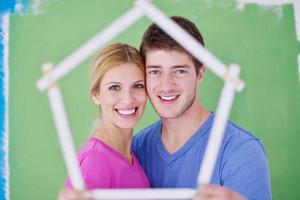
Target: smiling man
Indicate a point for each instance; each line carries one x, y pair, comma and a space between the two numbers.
171, 150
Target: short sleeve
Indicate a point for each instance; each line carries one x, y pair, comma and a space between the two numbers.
96, 170
246, 171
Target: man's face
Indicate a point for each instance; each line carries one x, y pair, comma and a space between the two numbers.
171, 82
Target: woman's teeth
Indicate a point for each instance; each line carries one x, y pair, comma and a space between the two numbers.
126, 111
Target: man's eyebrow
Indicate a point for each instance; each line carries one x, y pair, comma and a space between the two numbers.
181, 66
174, 66
153, 66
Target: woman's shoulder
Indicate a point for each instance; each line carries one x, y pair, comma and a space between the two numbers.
94, 151
96, 169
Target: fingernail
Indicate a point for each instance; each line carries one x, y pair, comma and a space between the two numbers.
87, 195
203, 186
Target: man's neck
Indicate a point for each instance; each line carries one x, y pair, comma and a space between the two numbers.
176, 132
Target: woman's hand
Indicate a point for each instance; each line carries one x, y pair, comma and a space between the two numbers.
69, 194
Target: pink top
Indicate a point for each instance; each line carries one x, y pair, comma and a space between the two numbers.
103, 167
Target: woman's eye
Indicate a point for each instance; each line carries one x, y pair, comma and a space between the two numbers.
139, 86
114, 87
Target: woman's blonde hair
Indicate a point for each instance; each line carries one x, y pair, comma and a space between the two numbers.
112, 56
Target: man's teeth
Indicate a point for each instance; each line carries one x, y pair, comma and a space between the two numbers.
167, 98
126, 112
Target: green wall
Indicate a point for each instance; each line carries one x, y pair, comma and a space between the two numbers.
261, 41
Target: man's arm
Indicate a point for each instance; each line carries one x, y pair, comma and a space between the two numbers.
245, 170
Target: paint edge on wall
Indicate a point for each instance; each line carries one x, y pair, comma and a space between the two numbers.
4, 143
296, 7
267, 3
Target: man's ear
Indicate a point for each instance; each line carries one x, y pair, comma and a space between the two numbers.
201, 72
96, 98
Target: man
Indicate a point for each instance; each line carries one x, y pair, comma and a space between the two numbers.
171, 150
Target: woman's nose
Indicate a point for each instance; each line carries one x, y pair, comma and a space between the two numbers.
128, 96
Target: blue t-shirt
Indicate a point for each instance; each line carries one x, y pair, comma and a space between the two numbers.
241, 166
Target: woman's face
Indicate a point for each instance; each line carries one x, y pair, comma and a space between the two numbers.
122, 95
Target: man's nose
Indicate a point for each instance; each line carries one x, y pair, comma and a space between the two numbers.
167, 82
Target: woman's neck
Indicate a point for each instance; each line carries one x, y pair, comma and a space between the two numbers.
117, 138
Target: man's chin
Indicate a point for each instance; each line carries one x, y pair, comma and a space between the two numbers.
168, 115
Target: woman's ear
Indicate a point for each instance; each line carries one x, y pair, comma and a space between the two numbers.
96, 98
201, 72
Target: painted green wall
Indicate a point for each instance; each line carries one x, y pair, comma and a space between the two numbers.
260, 40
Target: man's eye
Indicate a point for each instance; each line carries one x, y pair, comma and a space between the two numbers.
154, 72
180, 71
114, 87
139, 86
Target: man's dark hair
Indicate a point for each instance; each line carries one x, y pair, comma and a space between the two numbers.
155, 38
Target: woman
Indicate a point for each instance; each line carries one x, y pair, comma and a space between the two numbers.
118, 88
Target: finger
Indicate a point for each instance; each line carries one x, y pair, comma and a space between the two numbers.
218, 192
210, 189
74, 195
203, 194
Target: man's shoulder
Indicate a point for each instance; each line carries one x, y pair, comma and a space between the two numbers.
237, 138
236, 132
149, 130
146, 135
243, 157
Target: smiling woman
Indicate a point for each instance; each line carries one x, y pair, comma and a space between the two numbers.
121, 95
118, 87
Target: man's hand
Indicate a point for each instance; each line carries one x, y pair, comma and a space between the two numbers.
213, 192
68, 194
